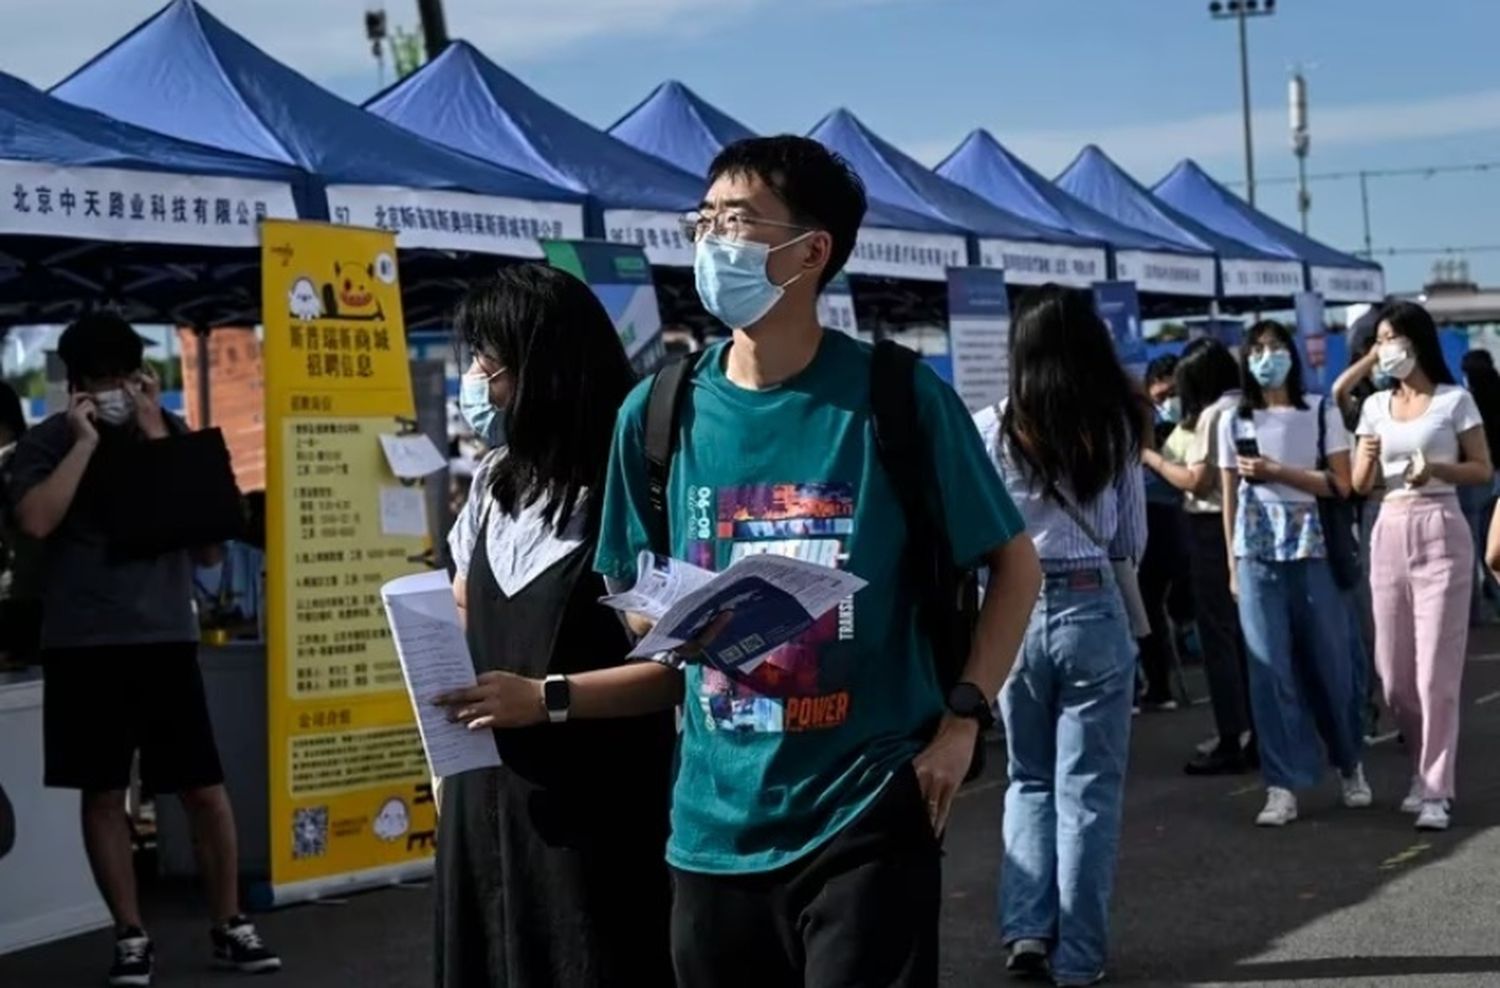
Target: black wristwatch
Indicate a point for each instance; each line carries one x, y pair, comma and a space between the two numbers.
557, 697
968, 700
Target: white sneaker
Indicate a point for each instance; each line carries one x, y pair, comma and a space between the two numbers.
1434, 815
1281, 808
1357, 794
1415, 797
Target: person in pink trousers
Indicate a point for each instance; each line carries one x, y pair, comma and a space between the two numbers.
1426, 438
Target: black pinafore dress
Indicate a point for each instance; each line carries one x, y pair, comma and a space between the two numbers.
551, 869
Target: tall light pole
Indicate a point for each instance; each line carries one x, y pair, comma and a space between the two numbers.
434, 27
1301, 142
1241, 11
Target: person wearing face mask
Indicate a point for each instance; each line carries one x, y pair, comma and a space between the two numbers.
1279, 452
1478, 502
1426, 438
813, 788
119, 646
549, 866
1164, 562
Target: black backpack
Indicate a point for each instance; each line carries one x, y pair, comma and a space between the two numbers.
947, 597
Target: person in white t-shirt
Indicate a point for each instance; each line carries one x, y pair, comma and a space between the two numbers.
1292, 610
1425, 438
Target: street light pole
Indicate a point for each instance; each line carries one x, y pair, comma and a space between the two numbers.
1241, 11
1301, 143
434, 27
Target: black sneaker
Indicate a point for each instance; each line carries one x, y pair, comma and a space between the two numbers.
1226, 759
237, 947
1028, 959
134, 957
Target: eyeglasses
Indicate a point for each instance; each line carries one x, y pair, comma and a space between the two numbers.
731, 225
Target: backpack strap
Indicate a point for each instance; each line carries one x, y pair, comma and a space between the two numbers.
663, 414
898, 440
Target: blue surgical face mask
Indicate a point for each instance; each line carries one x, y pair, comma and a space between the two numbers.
487, 421
1271, 367
732, 280
1170, 410
1382, 380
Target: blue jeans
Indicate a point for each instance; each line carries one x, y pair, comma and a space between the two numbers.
1302, 680
1067, 727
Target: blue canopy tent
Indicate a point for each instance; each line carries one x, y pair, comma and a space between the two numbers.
677, 125
465, 101
982, 165
96, 212
1029, 252
1250, 277
1338, 276
182, 72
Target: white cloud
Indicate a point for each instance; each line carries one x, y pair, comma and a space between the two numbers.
1149, 149
44, 40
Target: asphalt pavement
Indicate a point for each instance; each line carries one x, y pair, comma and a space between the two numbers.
1203, 897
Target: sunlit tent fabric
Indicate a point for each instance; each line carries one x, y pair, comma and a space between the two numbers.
464, 100
182, 72
95, 211
1246, 272
1338, 276
680, 127
1029, 252
985, 167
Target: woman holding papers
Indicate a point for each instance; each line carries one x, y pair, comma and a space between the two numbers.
550, 867
1068, 444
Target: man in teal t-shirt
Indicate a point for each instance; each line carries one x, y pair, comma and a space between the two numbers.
812, 791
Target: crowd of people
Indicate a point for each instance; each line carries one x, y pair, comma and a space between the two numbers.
787, 828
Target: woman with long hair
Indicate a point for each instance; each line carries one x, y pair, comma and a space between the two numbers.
1162, 566
1280, 452
550, 867
1479, 502
1068, 442
1426, 439
1208, 387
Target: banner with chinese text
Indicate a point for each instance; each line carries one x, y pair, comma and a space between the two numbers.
350, 800
979, 335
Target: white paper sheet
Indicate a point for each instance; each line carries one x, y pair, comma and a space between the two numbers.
412, 457
403, 511
435, 659
773, 599
660, 582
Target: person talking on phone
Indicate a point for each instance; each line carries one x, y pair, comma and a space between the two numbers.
1302, 679
120, 646
1426, 439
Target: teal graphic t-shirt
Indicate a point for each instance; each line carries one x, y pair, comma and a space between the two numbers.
776, 761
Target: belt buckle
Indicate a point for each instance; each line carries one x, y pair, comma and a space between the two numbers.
1085, 579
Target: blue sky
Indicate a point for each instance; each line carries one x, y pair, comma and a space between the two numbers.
1393, 84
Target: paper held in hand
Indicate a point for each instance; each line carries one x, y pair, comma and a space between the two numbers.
772, 599
435, 659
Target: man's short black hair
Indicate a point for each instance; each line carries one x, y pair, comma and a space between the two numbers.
98, 345
818, 186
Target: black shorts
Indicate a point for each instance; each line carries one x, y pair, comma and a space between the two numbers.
101, 705
861, 910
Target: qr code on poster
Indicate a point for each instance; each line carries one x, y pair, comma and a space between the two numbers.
310, 832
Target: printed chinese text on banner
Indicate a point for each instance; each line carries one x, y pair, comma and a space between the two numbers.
350, 800
979, 335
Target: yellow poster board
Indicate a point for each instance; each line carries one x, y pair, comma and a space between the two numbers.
350, 802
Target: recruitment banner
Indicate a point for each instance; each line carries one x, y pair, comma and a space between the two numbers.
350, 801
1312, 336
836, 306
979, 335
620, 276
1120, 307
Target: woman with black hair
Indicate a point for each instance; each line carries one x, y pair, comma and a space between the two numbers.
1479, 502
1426, 439
1291, 608
550, 867
1208, 386
1162, 566
1067, 442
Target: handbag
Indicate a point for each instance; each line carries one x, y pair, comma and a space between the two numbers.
1126, 576
1337, 517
